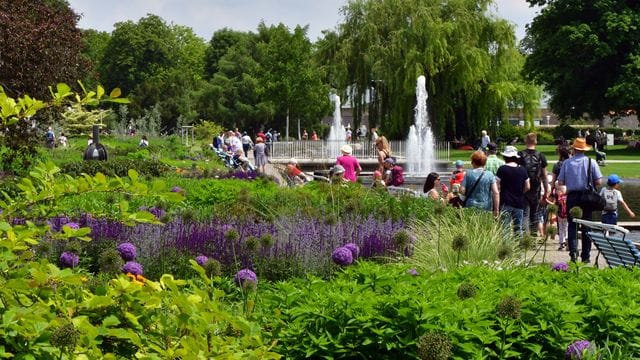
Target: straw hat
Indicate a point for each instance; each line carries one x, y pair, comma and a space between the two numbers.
346, 149
580, 144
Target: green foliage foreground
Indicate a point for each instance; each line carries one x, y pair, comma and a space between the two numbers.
381, 311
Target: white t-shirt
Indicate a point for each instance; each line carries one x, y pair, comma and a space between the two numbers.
612, 198
246, 140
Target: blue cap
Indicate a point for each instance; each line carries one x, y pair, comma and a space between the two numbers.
614, 179
459, 163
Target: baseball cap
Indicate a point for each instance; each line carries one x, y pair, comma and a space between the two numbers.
459, 163
614, 179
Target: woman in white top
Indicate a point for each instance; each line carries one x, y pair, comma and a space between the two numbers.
431, 185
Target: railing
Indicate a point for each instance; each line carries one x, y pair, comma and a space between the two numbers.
362, 149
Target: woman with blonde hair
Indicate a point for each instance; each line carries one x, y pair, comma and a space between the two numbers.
384, 151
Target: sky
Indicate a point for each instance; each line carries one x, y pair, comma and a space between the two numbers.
207, 16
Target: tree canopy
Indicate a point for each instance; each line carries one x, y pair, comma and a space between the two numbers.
469, 59
586, 54
40, 46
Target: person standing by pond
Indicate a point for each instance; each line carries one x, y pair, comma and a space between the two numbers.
479, 186
612, 195
573, 175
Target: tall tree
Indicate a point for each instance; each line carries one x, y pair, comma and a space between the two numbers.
95, 43
40, 46
468, 57
220, 43
586, 54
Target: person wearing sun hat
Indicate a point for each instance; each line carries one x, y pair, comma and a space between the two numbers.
349, 163
612, 195
513, 182
573, 174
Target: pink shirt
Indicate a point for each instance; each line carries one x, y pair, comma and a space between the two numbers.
350, 165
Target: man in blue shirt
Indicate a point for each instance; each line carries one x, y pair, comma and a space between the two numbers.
573, 174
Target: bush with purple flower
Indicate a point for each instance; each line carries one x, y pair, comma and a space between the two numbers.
355, 250
560, 266
202, 260
178, 189
132, 267
413, 272
127, 251
69, 260
342, 256
579, 349
72, 225
246, 278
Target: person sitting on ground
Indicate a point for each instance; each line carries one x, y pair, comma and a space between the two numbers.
458, 174
144, 142
336, 175
393, 173
431, 185
378, 183
295, 175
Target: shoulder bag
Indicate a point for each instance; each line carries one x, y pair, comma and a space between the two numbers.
590, 198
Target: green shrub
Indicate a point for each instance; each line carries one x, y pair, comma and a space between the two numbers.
116, 167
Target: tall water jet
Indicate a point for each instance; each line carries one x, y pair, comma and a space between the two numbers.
420, 144
337, 133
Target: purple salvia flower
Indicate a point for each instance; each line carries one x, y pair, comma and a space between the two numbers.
578, 349
177, 189
127, 251
73, 225
413, 272
69, 260
245, 278
342, 256
157, 212
132, 267
202, 260
560, 266
355, 250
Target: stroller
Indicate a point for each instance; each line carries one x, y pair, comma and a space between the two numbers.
239, 161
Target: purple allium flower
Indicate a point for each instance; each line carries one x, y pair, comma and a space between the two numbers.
178, 189
342, 256
132, 267
73, 225
69, 260
245, 278
127, 251
202, 260
413, 272
157, 212
560, 266
355, 249
577, 349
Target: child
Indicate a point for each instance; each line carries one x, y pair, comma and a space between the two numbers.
453, 198
378, 183
563, 223
613, 196
458, 174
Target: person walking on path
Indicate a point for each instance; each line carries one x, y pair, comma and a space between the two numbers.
493, 162
479, 186
247, 143
484, 140
349, 163
536, 165
260, 154
513, 182
573, 175
612, 195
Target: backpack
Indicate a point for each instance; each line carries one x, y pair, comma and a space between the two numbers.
532, 162
397, 177
611, 200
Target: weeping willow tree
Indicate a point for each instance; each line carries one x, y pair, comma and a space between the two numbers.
468, 57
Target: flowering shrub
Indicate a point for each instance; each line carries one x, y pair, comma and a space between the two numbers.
342, 256
579, 349
69, 260
132, 267
73, 225
127, 251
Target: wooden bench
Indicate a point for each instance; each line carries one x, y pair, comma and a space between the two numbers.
611, 242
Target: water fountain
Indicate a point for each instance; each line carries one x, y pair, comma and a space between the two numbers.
420, 143
337, 133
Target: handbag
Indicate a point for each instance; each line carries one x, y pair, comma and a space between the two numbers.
591, 199
467, 196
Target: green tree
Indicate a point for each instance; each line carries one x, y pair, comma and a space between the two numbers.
220, 43
40, 44
586, 55
468, 58
292, 79
95, 43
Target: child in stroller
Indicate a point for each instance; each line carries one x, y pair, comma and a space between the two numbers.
239, 161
